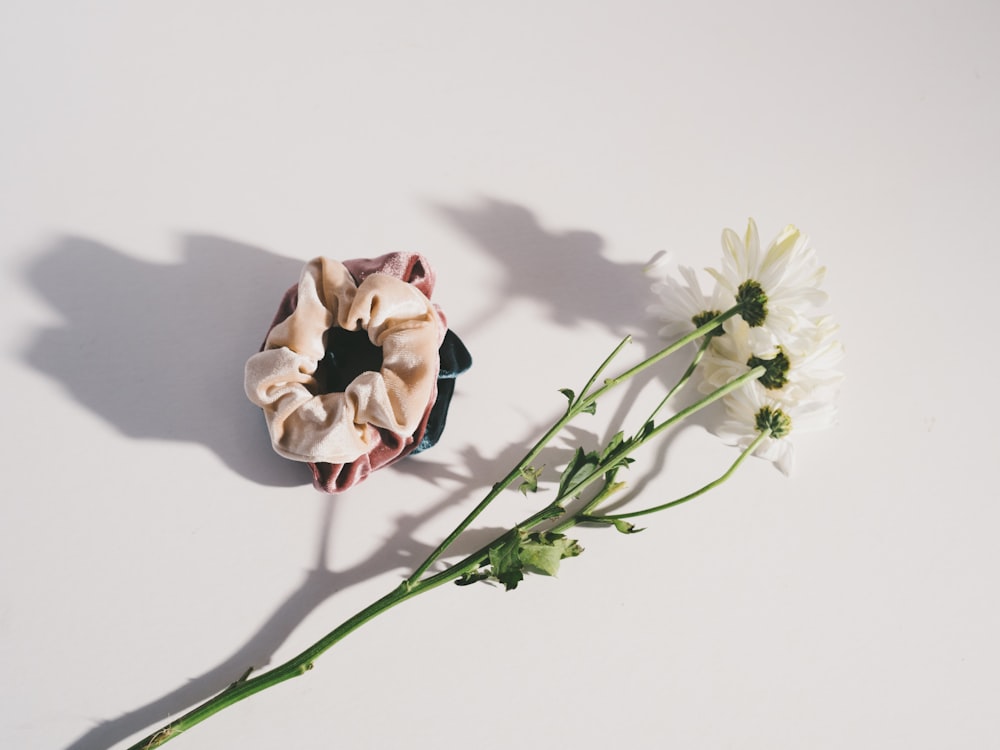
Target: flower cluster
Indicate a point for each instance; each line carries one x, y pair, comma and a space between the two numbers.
775, 294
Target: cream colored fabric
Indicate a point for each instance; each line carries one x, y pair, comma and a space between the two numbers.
339, 427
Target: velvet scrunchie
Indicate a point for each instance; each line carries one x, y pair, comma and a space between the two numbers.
358, 367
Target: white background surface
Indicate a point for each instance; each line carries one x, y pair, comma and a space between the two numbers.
165, 168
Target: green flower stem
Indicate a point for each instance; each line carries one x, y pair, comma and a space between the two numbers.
702, 348
607, 473
611, 517
616, 461
555, 508
497, 488
298, 665
582, 403
711, 398
582, 515
417, 584
604, 366
244, 688
575, 407
696, 334
610, 486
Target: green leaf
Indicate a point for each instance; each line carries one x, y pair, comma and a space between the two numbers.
579, 469
645, 430
613, 444
614, 454
545, 558
590, 408
505, 562
568, 393
530, 483
544, 550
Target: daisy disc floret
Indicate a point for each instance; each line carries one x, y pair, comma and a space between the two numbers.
804, 368
774, 286
752, 411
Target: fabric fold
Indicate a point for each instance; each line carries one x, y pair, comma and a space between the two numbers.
377, 409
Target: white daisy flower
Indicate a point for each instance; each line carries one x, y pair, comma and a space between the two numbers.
801, 370
752, 410
683, 306
814, 355
776, 286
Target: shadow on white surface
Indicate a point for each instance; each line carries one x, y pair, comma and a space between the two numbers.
568, 273
158, 350
320, 584
565, 272
400, 551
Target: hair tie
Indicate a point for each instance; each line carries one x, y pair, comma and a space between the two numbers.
358, 367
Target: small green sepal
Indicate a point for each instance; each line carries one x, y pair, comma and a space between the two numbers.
645, 430
625, 527
530, 483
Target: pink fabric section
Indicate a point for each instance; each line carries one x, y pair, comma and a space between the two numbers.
410, 267
387, 446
